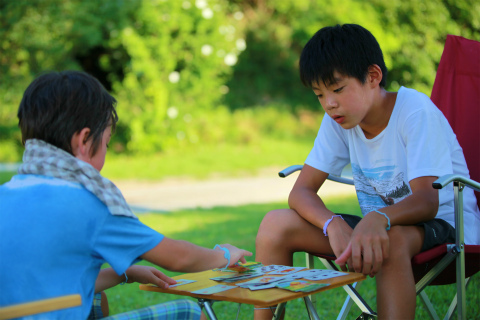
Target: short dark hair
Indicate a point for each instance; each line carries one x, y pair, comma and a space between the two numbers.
56, 105
348, 49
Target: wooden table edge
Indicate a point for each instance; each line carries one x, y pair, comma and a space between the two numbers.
352, 277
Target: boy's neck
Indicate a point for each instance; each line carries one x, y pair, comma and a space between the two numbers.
379, 115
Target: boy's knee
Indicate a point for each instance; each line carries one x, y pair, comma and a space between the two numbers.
276, 227
276, 221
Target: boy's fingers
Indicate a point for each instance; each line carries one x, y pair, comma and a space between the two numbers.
160, 275
342, 258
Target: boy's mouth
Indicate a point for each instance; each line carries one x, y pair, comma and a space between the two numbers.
338, 119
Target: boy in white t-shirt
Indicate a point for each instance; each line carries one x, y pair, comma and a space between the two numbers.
398, 144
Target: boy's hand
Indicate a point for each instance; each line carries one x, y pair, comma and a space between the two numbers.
146, 275
236, 254
369, 245
339, 236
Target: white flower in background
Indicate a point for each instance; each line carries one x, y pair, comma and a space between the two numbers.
201, 4
207, 13
207, 49
224, 89
238, 15
174, 77
186, 5
172, 112
230, 59
187, 118
180, 135
241, 44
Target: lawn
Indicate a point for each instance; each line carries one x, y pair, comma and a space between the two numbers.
238, 226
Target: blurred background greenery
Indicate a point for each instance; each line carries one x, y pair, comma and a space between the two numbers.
204, 76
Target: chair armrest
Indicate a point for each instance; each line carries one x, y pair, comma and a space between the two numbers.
288, 171
446, 179
40, 306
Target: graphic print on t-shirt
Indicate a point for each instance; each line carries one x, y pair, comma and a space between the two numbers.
379, 187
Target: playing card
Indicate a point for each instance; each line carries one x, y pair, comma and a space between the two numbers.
181, 282
300, 285
236, 277
260, 281
266, 269
215, 289
286, 270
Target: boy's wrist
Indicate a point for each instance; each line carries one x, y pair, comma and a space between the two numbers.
325, 226
226, 254
387, 218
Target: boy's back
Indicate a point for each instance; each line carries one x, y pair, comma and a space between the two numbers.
64, 234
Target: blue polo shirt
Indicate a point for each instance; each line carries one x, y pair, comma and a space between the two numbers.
54, 237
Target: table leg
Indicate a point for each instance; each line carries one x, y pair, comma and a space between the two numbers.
278, 312
207, 305
311, 309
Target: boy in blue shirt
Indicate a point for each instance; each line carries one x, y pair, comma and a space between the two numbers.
398, 144
61, 220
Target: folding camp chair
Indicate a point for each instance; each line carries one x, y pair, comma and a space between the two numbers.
41, 306
456, 92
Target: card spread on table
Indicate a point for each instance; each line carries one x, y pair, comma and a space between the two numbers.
236, 277
266, 269
287, 270
242, 267
261, 280
181, 282
300, 285
215, 289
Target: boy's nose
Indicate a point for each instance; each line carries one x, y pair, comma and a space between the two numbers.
331, 103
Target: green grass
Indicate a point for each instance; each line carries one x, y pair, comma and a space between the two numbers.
205, 161
238, 226
6, 176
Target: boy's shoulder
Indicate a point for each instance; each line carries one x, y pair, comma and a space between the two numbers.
410, 101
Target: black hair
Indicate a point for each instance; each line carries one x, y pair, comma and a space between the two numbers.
348, 49
56, 105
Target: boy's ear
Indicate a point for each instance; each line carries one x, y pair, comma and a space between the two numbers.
80, 147
375, 75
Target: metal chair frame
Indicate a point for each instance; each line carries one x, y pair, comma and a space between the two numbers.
455, 252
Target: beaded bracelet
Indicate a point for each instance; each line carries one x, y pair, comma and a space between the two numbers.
226, 255
383, 214
328, 222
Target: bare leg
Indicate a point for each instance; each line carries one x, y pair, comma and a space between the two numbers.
281, 233
396, 298
104, 304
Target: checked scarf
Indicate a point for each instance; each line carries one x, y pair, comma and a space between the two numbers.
45, 159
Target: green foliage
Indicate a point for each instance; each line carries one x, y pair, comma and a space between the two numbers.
182, 69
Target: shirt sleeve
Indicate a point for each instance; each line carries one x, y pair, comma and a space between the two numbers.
425, 134
122, 240
330, 152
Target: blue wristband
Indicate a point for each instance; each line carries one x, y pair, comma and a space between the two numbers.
226, 255
383, 214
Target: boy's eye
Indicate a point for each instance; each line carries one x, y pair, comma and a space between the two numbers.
338, 90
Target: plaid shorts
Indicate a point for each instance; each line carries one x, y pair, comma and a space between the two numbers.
437, 231
172, 310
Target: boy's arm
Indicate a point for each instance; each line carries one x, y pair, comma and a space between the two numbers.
183, 256
108, 278
370, 245
304, 199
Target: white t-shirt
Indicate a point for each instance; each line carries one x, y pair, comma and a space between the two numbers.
418, 141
